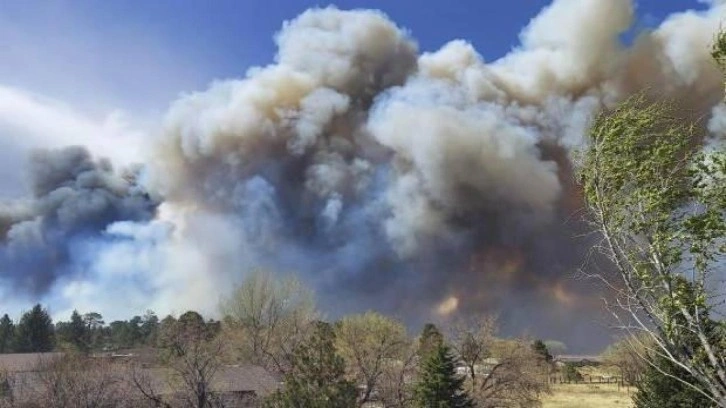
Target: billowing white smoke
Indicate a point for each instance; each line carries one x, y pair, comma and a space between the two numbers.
395, 180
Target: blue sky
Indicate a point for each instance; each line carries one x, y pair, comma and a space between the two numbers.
148, 51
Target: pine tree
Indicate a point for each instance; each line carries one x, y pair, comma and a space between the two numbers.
439, 386
429, 341
540, 348
35, 331
7, 334
658, 390
73, 333
317, 379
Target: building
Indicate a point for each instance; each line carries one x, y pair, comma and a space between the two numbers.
33, 380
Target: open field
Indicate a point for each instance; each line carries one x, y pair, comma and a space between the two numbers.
588, 395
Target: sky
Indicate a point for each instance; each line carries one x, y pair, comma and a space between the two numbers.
112, 68
138, 55
103, 73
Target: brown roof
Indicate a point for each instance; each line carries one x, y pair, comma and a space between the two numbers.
23, 362
245, 378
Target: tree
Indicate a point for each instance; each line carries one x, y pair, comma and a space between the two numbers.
429, 340
94, 328
35, 331
317, 378
439, 386
369, 343
659, 202
78, 381
658, 389
472, 340
541, 350
269, 318
73, 333
192, 354
514, 376
7, 334
627, 355
570, 373
149, 327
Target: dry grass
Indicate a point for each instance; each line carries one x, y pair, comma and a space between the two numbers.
588, 395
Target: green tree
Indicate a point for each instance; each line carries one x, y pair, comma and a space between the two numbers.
149, 327
317, 379
7, 334
430, 340
94, 329
439, 386
662, 386
73, 333
659, 202
35, 331
540, 348
570, 373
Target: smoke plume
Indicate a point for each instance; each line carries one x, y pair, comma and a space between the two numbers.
423, 185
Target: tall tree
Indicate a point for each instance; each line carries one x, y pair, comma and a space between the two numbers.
439, 386
429, 340
659, 202
73, 333
271, 316
541, 350
369, 343
317, 378
7, 334
35, 331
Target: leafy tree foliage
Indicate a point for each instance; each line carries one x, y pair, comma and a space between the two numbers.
7, 334
570, 373
73, 333
439, 386
664, 386
659, 203
317, 379
35, 331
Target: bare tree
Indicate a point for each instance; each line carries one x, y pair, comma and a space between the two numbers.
269, 317
368, 343
395, 384
78, 381
514, 377
472, 339
626, 356
191, 359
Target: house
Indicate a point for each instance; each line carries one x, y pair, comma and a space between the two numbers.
24, 378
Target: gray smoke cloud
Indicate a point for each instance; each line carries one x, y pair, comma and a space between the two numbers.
423, 185
74, 198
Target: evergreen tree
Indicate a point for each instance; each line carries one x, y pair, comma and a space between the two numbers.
657, 390
429, 341
439, 386
35, 331
317, 379
74, 332
7, 334
541, 349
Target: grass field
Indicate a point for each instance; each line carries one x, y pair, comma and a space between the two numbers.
587, 396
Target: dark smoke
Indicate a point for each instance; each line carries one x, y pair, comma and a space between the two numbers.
74, 199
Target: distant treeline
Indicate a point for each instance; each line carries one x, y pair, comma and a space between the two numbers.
35, 331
